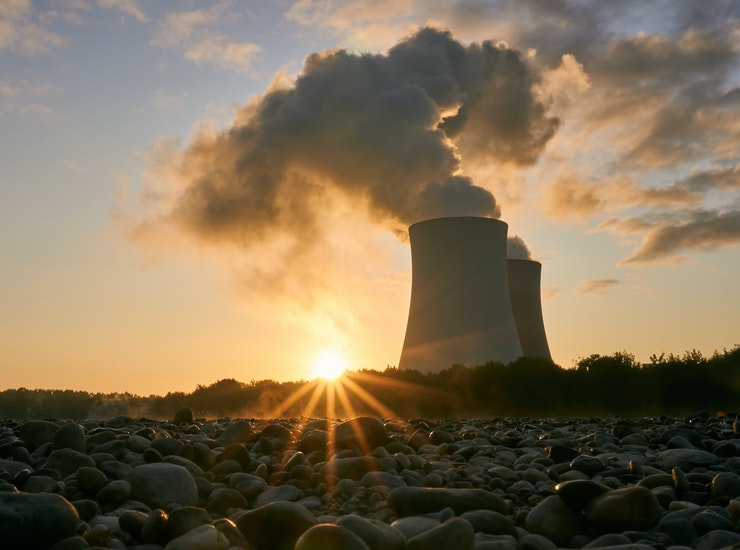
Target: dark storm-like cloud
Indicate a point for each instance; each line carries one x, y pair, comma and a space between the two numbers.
662, 102
665, 236
381, 131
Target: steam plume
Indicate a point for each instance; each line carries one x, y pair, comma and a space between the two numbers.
380, 131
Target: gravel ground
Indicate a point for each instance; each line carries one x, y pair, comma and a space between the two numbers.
367, 483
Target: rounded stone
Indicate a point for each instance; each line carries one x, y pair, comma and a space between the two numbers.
159, 484
554, 519
578, 492
288, 493
454, 533
70, 436
533, 541
630, 508
35, 520
114, 493
132, 522
488, 521
35, 433
183, 415
276, 525
364, 431
411, 526
223, 498
328, 536
67, 461
725, 484
376, 534
589, 465
167, 446
204, 537
185, 518
235, 432
155, 530
231, 532
409, 501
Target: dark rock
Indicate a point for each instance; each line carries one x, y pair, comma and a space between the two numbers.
375, 534
364, 431
71, 543
560, 454
351, 468
114, 493
35, 433
236, 432
409, 501
624, 509
167, 446
328, 536
554, 519
221, 499
70, 436
589, 465
90, 480
183, 415
185, 518
717, 539
488, 521
68, 461
277, 525
132, 522
35, 520
578, 492
155, 528
231, 532
160, 484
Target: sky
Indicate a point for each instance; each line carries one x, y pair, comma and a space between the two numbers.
199, 190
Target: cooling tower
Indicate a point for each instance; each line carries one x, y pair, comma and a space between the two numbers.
456, 315
524, 291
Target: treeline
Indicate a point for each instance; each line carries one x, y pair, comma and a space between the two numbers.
602, 385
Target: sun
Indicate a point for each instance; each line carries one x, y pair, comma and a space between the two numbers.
329, 365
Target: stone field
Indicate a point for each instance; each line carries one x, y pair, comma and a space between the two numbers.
366, 483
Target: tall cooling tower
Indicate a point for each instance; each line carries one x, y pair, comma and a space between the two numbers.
456, 315
524, 291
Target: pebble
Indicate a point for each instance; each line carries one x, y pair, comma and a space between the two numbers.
490, 484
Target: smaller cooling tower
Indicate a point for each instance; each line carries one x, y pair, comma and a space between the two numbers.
460, 311
524, 291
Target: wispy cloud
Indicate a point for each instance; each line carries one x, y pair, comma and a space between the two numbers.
39, 111
357, 24
597, 287
567, 197
23, 30
161, 101
132, 8
195, 34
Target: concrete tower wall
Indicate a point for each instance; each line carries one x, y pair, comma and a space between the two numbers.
524, 291
460, 310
